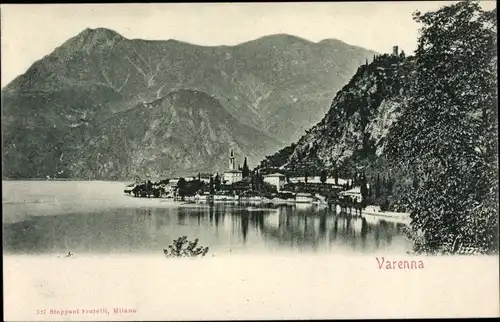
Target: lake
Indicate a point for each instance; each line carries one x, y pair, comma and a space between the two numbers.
95, 217
264, 262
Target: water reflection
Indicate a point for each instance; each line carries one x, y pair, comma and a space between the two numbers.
223, 227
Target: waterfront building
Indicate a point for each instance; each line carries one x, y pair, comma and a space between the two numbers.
354, 193
276, 179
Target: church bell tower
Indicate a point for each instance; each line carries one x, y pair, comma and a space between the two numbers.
231, 160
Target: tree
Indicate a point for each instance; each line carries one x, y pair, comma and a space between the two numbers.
182, 247
446, 133
364, 190
217, 182
305, 176
390, 185
323, 177
336, 176
377, 187
384, 206
246, 170
182, 188
415, 183
211, 185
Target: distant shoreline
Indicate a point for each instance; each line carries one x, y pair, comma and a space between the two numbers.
62, 179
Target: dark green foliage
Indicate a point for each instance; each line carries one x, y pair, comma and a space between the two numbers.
182, 247
217, 182
245, 170
211, 185
191, 188
378, 187
258, 182
384, 206
323, 176
447, 134
344, 139
182, 187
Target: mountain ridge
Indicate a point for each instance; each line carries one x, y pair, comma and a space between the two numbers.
276, 88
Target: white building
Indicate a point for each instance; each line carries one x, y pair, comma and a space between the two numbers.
275, 179
233, 175
317, 179
354, 193
205, 177
173, 182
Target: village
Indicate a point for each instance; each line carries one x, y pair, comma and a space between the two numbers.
238, 184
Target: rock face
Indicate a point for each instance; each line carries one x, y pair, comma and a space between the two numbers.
353, 132
270, 89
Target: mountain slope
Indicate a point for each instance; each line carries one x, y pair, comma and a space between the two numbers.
278, 76
278, 85
179, 134
354, 131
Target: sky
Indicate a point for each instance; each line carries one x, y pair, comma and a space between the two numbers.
31, 31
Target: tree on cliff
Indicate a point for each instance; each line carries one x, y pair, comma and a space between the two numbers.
446, 134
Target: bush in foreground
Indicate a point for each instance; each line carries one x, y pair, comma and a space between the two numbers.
182, 247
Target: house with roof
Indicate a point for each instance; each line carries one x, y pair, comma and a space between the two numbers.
276, 179
354, 194
205, 177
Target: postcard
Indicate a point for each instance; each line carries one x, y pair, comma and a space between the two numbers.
231, 161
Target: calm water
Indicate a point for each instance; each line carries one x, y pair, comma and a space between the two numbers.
95, 217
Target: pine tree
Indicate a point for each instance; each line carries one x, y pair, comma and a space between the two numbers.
211, 185
246, 171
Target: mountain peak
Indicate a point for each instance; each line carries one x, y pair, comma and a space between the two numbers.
91, 38
280, 38
100, 32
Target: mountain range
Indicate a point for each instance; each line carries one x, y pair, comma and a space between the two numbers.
102, 106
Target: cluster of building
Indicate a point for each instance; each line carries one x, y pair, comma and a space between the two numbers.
234, 177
